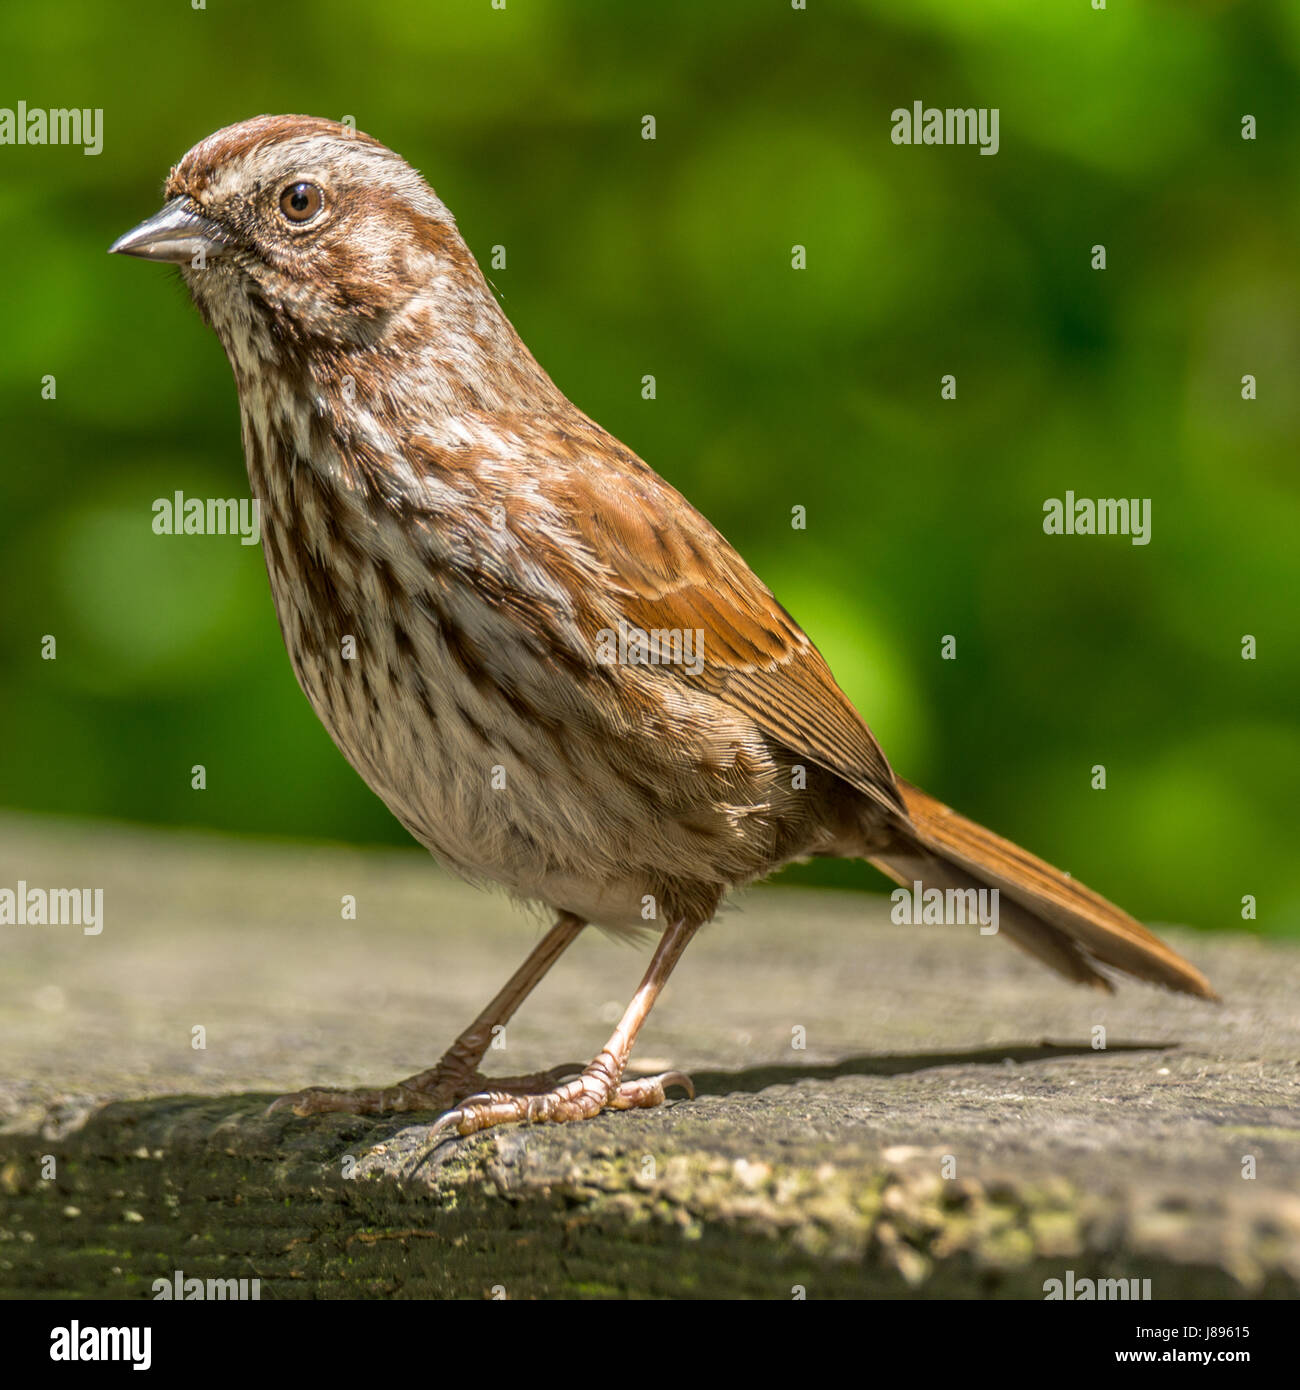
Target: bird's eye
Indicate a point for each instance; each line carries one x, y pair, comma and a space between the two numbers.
300, 202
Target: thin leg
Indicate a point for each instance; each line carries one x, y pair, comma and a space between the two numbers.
600, 1085
456, 1075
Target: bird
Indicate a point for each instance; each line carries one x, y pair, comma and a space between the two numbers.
556, 673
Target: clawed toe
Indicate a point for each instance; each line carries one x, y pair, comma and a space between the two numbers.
430, 1091
592, 1091
478, 1102
320, 1100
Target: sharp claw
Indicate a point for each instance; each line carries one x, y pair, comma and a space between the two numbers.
322, 1100
564, 1103
530, 1100
440, 1127
677, 1078
288, 1103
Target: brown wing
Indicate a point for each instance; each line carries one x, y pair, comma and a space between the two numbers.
669, 568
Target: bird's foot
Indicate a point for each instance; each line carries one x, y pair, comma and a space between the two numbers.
434, 1090
598, 1086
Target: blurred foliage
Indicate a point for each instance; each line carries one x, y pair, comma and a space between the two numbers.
776, 387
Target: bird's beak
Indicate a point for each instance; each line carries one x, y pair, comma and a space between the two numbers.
177, 234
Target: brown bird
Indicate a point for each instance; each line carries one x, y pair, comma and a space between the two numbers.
555, 672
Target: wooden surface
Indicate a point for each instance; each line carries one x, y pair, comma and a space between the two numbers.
947, 1129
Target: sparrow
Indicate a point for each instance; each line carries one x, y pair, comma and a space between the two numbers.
558, 676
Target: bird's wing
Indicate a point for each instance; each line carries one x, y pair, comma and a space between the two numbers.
667, 567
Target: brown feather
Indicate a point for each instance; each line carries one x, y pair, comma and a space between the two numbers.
1065, 924
672, 569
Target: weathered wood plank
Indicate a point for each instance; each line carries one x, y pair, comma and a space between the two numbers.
821, 1167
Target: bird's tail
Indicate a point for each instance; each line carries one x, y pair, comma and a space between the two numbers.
1048, 914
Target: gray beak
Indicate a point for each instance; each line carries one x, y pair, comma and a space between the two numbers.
177, 234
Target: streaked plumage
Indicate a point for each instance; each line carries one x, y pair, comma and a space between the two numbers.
428, 491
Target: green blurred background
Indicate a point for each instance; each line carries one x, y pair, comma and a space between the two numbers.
775, 387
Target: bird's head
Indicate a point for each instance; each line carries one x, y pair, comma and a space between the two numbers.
312, 249
303, 229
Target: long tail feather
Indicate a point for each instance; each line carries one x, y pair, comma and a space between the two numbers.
1067, 926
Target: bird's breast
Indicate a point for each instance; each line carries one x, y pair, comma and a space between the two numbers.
457, 691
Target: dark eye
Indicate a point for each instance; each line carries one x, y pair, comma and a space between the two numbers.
300, 202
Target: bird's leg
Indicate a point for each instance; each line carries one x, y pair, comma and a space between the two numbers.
457, 1074
600, 1085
